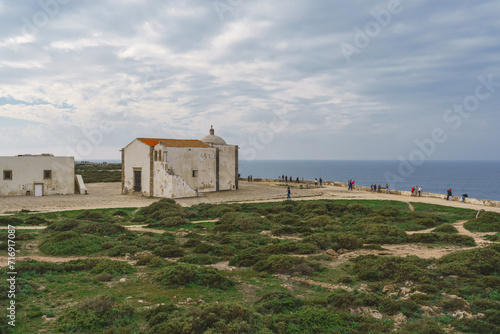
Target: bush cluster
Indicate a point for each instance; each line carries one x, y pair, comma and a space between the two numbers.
183, 274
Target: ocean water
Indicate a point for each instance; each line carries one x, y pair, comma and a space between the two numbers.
478, 179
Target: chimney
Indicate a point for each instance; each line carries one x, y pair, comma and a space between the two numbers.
212, 131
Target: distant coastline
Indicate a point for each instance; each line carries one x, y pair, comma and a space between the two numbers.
475, 178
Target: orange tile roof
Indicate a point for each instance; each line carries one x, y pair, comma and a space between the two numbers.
174, 142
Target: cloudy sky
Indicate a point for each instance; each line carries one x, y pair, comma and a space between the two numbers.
294, 79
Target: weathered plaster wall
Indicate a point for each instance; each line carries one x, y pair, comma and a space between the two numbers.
227, 167
182, 161
136, 155
28, 171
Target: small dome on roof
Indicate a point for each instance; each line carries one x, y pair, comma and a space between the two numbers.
213, 139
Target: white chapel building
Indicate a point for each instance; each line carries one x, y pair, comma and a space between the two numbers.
177, 168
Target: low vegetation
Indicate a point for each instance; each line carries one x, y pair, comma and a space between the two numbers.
287, 267
93, 173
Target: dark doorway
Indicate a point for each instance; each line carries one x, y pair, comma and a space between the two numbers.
137, 180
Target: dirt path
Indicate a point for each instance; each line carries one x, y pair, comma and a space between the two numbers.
107, 195
59, 259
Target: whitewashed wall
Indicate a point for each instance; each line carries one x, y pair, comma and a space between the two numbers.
28, 171
136, 155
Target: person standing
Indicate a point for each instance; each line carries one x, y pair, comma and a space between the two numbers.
419, 191
353, 183
378, 189
320, 182
288, 193
449, 196
297, 179
371, 188
279, 179
387, 188
412, 191
315, 182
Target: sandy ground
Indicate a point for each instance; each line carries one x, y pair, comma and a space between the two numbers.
107, 195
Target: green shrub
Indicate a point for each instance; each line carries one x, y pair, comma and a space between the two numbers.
452, 304
277, 302
445, 228
169, 251
60, 226
247, 259
4, 221
120, 213
318, 221
165, 207
285, 218
173, 221
91, 215
432, 238
121, 250
290, 247
409, 268
334, 241
35, 220
100, 228
487, 222
184, 274
471, 263
429, 221
285, 264
150, 260
71, 243
200, 259
212, 318
215, 250
387, 211
421, 326
112, 267
95, 315
475, 326
288, 230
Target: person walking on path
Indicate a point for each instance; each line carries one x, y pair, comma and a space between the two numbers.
315, 182
288, 193
412, 191
297, 179
320, 182
449, 196
387, 188
419, 191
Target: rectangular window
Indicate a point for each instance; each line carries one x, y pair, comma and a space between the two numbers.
164, 156
156, 155
195, 173
7, 175
47, 174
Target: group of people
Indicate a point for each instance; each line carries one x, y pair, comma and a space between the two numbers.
250, 178
316, 182
416, 191
286, 179
374, 188
350, 185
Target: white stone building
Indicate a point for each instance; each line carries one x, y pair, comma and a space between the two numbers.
38, 175
176, 168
